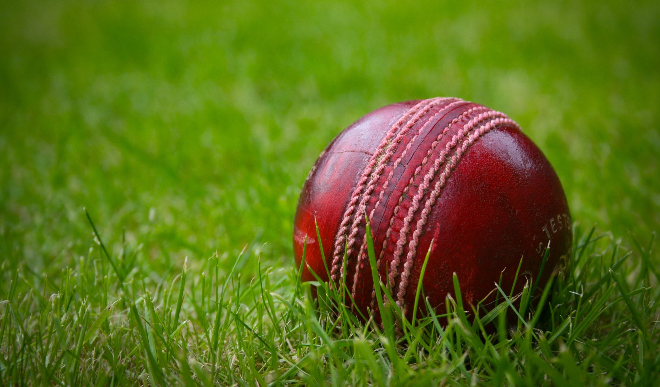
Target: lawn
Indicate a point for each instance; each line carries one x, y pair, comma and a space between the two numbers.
152, 153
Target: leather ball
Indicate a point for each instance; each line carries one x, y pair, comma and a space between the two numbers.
441, 174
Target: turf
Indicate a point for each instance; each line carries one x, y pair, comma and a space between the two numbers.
186, 130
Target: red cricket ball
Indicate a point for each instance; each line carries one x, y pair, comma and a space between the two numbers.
442, 170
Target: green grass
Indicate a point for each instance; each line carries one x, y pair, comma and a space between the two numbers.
186, 130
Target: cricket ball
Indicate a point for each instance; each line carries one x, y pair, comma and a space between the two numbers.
442, 176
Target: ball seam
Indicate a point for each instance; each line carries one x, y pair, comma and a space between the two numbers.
398, 206
363, 180
358, 220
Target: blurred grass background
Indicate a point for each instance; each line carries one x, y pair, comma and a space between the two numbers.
190, 126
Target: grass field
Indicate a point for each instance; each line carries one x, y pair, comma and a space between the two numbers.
186, 129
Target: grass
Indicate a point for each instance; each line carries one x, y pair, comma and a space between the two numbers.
186, 130
109, 322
